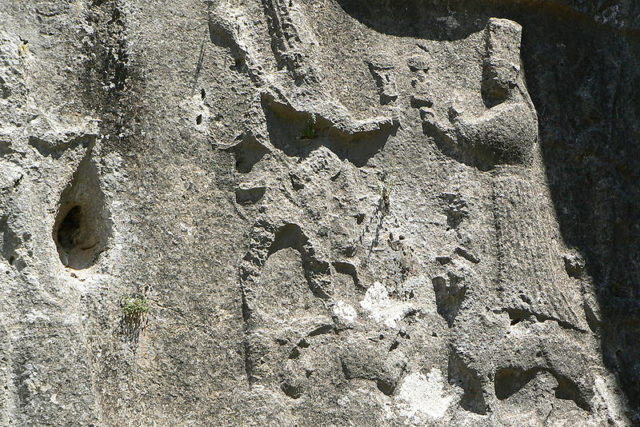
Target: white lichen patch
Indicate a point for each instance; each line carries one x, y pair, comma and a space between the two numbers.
36, 316
10, 175
383, 309
345, 312
423, 396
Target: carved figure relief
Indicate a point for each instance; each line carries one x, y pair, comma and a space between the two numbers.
325, 272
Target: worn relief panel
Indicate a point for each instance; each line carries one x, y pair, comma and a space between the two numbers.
476, 308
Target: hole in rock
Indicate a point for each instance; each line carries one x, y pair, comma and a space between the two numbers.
509, 381
349, 270
69, 228
292, 391
295, 353
467, 378
248, 196
82, 227
385, 387
568, 390
247, 153
199, 119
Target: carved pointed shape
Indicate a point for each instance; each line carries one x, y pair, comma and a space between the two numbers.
82, 227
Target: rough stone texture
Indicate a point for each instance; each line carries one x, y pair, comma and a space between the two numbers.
340, 212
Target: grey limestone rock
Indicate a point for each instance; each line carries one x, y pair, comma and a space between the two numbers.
319, 212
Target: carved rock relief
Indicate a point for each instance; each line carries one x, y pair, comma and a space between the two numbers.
308, 293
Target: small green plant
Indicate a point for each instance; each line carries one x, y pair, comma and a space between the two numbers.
310, 129
135, 307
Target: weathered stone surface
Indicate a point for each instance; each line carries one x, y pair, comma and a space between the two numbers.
319, 212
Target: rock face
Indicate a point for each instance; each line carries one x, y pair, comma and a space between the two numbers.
319, 212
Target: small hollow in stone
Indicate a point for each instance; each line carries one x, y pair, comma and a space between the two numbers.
82, 227
69, 228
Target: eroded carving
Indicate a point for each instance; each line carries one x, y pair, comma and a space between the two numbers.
385, 81
82, 226
507, 130
310, 323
